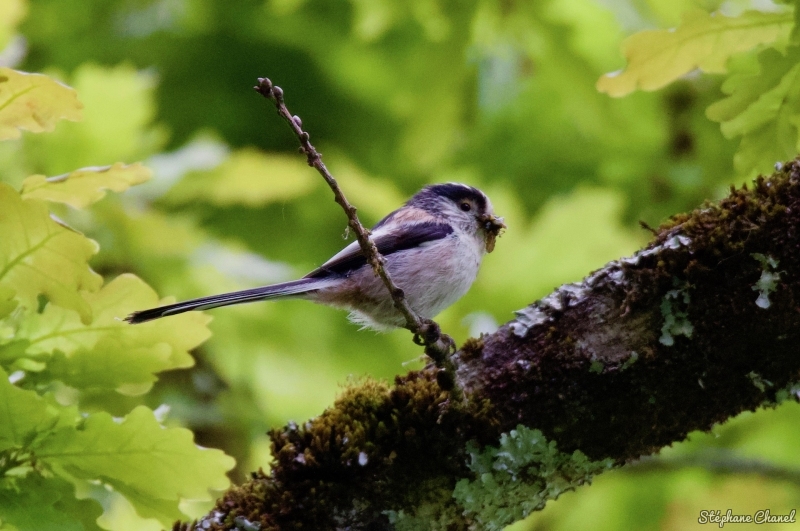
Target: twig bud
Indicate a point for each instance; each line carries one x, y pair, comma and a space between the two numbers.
278, 93
296, 119
264, 87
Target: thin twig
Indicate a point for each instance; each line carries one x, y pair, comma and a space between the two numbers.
426, 332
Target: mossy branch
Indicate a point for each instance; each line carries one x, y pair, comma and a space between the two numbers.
700, 325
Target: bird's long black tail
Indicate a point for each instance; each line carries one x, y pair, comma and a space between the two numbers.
285, 289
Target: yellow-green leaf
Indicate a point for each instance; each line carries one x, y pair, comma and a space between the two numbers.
81, 188
148, 506
34, 102
247, 177
110, 353
763, 107
39, 256
137, 455
23, 414
7, 302
705, 41
118, 122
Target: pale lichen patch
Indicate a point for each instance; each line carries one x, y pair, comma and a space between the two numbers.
791, 391
759, 381
519, 476
674, 309
768, 282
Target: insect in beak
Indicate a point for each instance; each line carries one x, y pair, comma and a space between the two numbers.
492, 225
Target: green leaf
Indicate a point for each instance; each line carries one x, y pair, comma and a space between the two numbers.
7, 302
148, 506
23, 414
33, 102
247, 177
39, 504
705, 41
112, 366
119, 514
110, 353
81, 188
763, 108
794, 38
39, 256
138, 457
117, 122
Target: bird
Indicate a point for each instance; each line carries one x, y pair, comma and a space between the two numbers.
433, 247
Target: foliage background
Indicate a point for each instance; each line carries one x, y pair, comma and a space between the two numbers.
501, 95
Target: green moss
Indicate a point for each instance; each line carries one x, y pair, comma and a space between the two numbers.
404, 441
519, 476
596, 367
471, 348
630, 361
426, 517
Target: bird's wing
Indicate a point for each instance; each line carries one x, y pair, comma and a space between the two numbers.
385, 219
388, 242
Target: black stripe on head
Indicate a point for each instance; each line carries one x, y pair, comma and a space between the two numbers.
429, 197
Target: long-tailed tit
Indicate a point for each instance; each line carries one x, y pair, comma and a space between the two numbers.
433, 246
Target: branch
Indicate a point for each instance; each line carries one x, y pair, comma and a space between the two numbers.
426, 332
699, 326
718, 461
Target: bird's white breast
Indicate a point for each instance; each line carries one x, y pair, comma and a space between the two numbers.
438, 273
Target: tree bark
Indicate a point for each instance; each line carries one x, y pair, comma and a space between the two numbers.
700, 325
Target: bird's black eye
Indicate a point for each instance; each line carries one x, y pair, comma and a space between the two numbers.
465, 206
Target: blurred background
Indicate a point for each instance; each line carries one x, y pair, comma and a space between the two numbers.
497, 94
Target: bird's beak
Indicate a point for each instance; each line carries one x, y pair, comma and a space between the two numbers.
492, 225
